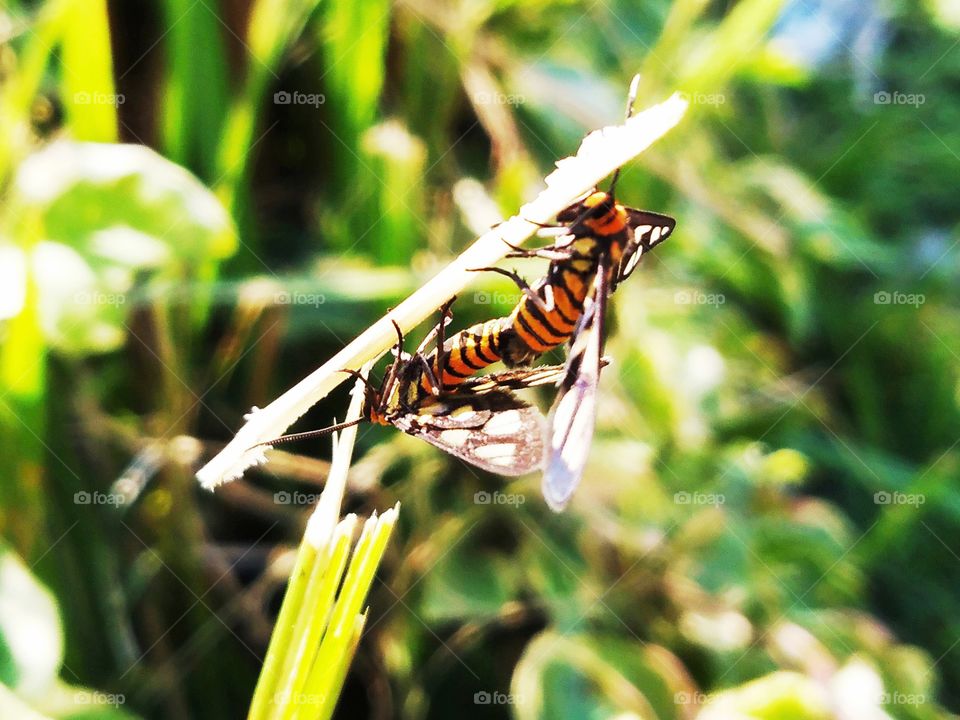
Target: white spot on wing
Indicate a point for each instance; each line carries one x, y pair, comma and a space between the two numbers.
508, 422
497, 453
464, 412
455, 438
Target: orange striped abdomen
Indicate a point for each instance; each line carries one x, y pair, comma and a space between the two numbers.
466, 353
535, 330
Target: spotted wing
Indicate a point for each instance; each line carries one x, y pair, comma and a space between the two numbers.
493, 429
573, 416
647, 230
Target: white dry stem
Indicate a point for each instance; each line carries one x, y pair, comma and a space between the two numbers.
600, 153
323, 521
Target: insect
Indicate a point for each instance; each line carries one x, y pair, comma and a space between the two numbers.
437, 397
599, 244
548, 313
602, 243
479, 420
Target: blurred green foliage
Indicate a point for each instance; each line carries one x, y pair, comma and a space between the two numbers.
768, 524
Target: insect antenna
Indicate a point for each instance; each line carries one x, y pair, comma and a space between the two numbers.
631, 99
306, 435
373, 396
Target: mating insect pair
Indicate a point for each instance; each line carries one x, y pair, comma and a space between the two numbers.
436, 396
600, 243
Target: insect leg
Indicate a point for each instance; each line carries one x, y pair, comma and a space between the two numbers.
434, 374
437, 330
391, 377
521, 283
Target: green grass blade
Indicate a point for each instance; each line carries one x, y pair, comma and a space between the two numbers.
195, 94
274, 26
339, 642
87, 67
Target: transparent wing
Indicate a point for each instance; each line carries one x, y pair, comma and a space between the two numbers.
573, 416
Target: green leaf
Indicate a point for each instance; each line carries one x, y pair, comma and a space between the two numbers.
97, 223
467, 584
575, 677
780, 696
31, 642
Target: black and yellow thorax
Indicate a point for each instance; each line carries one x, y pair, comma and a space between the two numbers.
598, 227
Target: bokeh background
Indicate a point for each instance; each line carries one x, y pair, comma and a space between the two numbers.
769, 523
